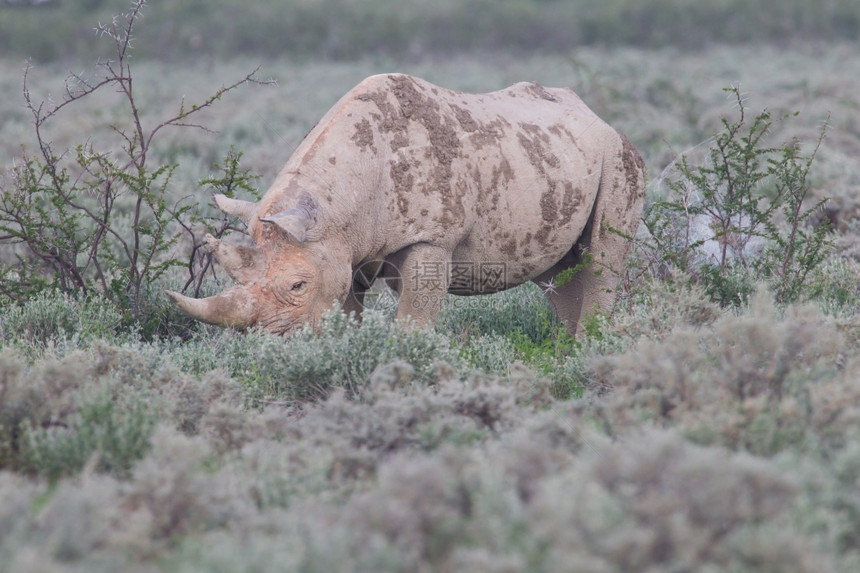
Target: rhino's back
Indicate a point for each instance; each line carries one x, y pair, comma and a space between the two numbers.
508, 175
503, 176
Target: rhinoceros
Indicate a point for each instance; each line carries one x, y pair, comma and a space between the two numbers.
439, 191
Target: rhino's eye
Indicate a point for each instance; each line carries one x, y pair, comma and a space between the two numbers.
297, 286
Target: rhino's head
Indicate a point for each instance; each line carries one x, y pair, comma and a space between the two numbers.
288, 280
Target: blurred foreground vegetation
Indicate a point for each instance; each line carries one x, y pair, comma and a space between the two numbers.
342, 29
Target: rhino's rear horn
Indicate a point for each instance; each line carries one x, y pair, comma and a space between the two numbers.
243, 264
236, 207
233, 308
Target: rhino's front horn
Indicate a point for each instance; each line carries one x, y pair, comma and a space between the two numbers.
233, 308
236, 207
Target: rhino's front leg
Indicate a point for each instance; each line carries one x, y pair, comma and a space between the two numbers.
354, 302
424, 276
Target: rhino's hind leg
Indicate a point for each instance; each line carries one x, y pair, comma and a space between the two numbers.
589, 291
565, 299
614, 219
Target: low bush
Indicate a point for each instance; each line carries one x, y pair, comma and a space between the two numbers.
754, 382
523, 311
310, 364
52, 316
64, 415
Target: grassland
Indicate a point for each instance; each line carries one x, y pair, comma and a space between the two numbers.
346, 30
677, 435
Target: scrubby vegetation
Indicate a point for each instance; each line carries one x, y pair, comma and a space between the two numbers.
345, 30
710, 423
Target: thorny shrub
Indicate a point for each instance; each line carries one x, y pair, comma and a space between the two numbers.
90, 221
744, 212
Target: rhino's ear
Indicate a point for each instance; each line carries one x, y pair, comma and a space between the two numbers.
299, 221
242, 209
293, 221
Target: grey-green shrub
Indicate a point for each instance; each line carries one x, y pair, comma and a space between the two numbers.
308, 364
758, 382
491, 353
461, 473
522, 310
835, 286
110, 430
51, 316
656, 503
57, 418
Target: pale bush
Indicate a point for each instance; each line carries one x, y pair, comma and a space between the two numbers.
491, 353
486, 473
61, 414
53, 316
661, 306
745, 382
830, 504
656, 503
192, 398
17, 496
835, 287
174, 493
107, 428
79, 519
308, 365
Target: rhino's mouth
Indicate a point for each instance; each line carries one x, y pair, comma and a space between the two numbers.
279, 323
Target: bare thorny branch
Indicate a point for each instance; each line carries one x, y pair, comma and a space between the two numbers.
102, 177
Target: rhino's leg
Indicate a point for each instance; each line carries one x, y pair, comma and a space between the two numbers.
354, 303
565, 299
615, 217
592, 289
423, 283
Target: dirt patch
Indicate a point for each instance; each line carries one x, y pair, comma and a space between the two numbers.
467, 122
416, 106
413, 104
536, 143
509, 248
403, 181
542, 93
363, 136
634, 166
502, 175
548, 205
490, 133
571, 202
